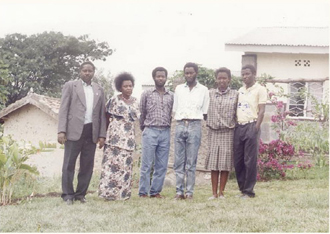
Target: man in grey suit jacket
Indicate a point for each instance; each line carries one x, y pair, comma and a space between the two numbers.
81, 125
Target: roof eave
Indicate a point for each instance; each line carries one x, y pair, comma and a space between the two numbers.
25, 101
278, 49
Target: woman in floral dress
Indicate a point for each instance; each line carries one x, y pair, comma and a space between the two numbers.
122, 110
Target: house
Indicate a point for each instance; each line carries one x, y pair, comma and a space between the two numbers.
32, 119
296, 57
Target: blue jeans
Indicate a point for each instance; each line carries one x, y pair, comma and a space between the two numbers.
186, 144
155, 150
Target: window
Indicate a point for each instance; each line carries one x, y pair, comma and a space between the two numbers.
301, 97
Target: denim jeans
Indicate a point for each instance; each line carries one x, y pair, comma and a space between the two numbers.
155, 150
186, 144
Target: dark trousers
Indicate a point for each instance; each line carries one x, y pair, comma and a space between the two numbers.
86, 147
246, 147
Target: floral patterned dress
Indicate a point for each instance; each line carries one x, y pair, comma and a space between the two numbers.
117, 164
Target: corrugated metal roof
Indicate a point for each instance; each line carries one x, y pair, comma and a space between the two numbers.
285, 36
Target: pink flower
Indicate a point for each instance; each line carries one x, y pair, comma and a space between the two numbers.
280, 105
274, 118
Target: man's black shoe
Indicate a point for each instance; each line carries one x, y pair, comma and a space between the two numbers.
82, 200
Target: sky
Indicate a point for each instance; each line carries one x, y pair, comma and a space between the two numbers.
146, 34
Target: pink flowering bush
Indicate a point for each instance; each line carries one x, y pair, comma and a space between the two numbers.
280, 123
274, 159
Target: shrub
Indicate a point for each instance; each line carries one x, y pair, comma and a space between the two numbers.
274, 159
12, 167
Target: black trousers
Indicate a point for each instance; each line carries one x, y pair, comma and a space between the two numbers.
246, 147
86, 148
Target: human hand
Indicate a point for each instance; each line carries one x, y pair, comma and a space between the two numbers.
101, 142
61, 138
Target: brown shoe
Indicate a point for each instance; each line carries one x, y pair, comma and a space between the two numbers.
157, 196
189, 196
143, 196
179, 197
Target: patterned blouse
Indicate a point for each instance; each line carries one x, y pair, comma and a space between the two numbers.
121, 132
222, 109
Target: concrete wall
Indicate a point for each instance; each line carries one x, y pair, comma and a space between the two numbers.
31, 124
283, 65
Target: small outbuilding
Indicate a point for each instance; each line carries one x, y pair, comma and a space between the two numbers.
32, 119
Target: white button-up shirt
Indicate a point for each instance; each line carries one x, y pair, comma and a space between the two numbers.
190, 104
89, 95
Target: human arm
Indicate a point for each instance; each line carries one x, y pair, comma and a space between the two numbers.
143, 112
61, 137
261, 106
206, 103
101, 141
103, 120
63, 113
261, 114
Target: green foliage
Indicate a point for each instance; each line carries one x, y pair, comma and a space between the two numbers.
4, 78
12, 168
310, 137
44, 62
106, 83
236, 82
205, 76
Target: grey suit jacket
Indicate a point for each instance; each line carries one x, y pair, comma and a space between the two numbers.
71, 115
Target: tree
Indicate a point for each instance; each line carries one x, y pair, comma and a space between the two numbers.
106, 83
44, 62
205, 76
4, 78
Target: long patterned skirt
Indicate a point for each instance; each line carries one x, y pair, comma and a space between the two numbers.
220, 146
116, 174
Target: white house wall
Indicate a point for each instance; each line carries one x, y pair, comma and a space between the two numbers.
30, 124
283, 65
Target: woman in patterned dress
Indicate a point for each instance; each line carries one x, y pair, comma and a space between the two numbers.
122, 110
221, 120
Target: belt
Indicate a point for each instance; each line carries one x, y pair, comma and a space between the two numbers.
159, 127
246, 122
186, 121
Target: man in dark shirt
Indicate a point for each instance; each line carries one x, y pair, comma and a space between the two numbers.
155, 122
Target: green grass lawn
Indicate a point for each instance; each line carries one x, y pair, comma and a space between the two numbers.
298, 204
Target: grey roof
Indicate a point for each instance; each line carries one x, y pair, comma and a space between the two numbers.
285, 36
48, 105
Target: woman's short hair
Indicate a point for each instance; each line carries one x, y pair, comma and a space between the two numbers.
86, 63
121, 78
223, 69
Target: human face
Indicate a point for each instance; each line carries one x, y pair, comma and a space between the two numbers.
127, 88
87, 73
248, 78
222, 80
190, 75
160, 79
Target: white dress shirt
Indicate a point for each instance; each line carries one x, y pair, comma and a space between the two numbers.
190, 104
89, 95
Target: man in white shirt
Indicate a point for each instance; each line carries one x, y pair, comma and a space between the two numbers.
191, 101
